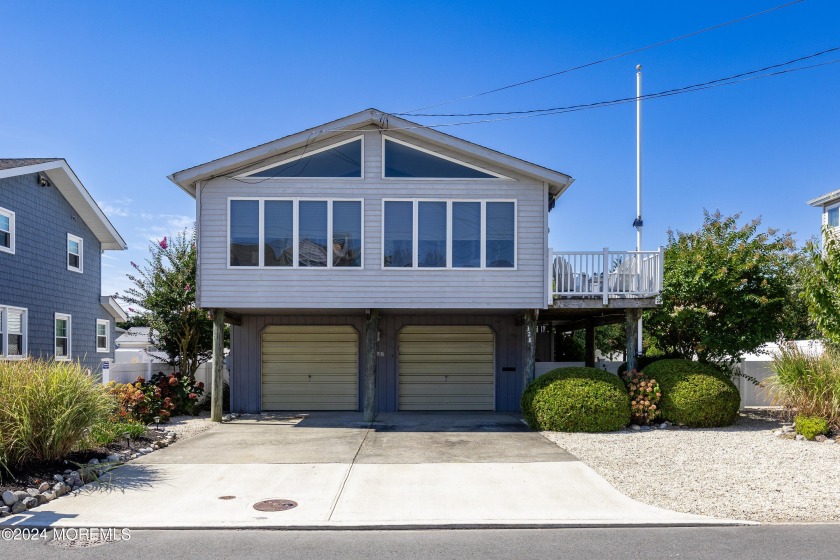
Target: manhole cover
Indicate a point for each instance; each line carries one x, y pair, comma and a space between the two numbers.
227, 497
275, 505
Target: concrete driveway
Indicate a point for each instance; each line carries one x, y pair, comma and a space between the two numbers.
405, 470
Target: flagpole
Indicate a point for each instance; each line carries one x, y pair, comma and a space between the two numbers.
638, 222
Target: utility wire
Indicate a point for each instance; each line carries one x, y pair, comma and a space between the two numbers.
598, 105
677, 90
603, 60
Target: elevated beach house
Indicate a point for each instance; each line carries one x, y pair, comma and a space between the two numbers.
373, 264
52, 236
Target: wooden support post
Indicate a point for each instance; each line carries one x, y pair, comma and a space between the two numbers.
217, 383
530, 346
632, 331
590, 342
371, 344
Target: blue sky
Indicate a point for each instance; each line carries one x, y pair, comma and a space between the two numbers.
129, 93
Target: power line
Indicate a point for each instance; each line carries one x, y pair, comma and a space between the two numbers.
603, 60
733, 77
598, 105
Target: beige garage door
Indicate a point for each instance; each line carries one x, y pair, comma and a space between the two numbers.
310, 368
446, 368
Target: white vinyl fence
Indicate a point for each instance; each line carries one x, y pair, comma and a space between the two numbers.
128, 373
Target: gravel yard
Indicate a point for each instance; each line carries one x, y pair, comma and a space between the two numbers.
187, 426
740, 472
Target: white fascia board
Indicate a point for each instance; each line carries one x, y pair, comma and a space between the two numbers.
113, 308
69, 185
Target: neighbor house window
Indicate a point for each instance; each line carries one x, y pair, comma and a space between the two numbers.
449, 234
833, 216
402, 160
295, 233
103, 335
75, 252
342, 160
63, 327
13, 330
7, 231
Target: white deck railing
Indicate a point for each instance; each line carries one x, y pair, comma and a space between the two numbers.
605, 274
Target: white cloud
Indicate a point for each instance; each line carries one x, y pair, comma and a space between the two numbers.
119, 207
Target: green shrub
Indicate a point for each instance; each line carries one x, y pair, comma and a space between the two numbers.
644, 397
576, 399
811, 426
45, 409
105, 433
807, 383
695, 394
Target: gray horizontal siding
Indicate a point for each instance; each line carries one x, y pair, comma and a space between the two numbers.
245, 374
374, 286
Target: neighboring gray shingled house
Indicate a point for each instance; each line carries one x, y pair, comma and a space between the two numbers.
52, 235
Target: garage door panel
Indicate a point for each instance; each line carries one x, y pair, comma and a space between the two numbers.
446, 368
310, 368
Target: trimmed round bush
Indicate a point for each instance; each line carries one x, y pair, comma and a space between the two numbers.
694, 394
576, 399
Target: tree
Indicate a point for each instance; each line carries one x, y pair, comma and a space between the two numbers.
165, 289
821, 286
725, 291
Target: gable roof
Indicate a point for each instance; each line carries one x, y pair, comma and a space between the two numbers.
65, 180
825, 199
186, 179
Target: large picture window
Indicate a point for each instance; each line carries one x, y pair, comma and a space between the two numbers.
295, 233
13, 331
449, 234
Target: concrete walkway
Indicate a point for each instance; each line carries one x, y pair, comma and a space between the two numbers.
404, 471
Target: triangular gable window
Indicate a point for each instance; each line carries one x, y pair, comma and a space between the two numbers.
403, 160
336, 161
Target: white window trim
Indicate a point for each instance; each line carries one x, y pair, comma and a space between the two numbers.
107, 324
449, 202
12, 235
305, 154
69, 319
296, 232
4, 327
494, 177
834, 206
81, 268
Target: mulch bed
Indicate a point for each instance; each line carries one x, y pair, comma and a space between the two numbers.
33, 474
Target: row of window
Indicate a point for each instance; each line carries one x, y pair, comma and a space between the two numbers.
14, 329
275, 232
344, 160
75, 244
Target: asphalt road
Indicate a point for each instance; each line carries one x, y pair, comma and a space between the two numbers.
789, 542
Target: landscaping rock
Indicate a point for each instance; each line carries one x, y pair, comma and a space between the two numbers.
42, 499
18, 508
635, 427
93, 462
800, 437
21, 495
58, 478
30, 502
113, 458
50, 496
9, 498
820, 438
32, 492
45, 486
59, 488
4, 511
645, 428
145, 450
